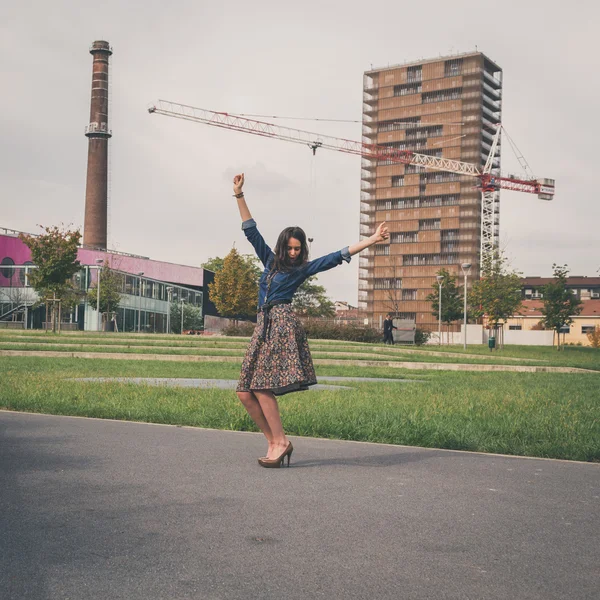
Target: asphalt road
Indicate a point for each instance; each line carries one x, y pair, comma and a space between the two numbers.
93, 509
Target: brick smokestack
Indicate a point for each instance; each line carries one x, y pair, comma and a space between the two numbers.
98, 134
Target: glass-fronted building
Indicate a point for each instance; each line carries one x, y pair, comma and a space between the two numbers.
148, 290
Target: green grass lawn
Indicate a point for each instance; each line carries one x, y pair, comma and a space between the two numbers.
580, 357
317, 351
546, 414
571, 356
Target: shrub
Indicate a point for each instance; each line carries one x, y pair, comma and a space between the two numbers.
594, 337
349, 333
240, 329
421, 336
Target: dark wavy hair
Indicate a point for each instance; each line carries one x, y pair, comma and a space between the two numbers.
282, 262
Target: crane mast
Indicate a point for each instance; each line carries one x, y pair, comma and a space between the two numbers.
489, 182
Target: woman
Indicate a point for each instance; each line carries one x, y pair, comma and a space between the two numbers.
278, 360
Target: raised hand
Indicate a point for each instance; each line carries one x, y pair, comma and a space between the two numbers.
381, 233
238, 183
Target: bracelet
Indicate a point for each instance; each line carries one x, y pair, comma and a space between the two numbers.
240, 195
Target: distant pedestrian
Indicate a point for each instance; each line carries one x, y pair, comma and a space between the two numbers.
388, 327
278, 359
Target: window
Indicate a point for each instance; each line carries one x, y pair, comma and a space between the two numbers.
515, 327
453, 67
442, 200
130, 285
382, 249
588, 328
449, 247
398, 181
414, 73
8, 261
442, 95
438, 177
406, 89
387, 283
25, 281
416, 260
414, 145
425, 132
449, 235
406, 316
403, 237
395, 203
397, 124
409, 294
428, 224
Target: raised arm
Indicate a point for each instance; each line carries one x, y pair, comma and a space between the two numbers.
380, 235
251, 232
238, 185
336, 258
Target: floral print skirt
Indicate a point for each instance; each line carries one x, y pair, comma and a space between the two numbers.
280, 363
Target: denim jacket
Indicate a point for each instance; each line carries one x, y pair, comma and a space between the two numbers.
284, 285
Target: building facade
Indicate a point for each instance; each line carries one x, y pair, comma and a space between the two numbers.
149, 288
575, 333
449, 108
585, 288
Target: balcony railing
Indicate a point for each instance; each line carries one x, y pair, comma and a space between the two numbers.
491, 79
493, 92
493, 115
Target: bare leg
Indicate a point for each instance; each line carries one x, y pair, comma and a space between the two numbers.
251, 404
270, 409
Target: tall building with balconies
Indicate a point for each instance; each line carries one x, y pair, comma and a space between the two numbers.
447, 107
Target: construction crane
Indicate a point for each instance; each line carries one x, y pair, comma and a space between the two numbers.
489, 182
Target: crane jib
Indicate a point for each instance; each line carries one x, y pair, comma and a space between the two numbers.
544, 188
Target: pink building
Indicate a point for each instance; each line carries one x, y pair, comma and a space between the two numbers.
149, 288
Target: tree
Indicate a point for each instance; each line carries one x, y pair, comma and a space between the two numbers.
311, 300
54, 252
497, 295
216, 264
234, 291
560, 304
111, 286
452, 299
213, 264
192, 317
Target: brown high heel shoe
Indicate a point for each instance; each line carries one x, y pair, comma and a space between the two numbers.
276, 463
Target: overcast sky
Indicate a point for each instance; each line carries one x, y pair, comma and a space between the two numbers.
170, 179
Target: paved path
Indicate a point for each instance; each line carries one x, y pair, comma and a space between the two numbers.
97, 510
231, 384
224, 384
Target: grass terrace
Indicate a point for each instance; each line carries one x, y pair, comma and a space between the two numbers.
554, 415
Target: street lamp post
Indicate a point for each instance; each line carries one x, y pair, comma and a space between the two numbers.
169, 296
182, 316
140, 303
310, 241
99, 261
440, 280
466, 269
